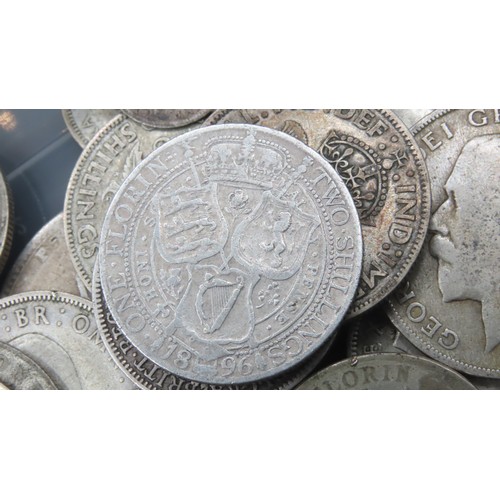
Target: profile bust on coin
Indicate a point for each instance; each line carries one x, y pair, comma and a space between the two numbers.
468, 232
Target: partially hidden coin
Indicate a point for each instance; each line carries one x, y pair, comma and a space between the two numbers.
411, 116
101, 169
83, 124
58, 331
45, 264
6, 221
449, 304
166, 118
20, 372
148, 375
381, 165
387, 371
222, 259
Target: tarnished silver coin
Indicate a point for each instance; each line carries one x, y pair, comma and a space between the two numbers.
58, 331
45, 264
449, 305
411, 116
166, 118
382, 167
101, 169
20, 372
387, 371
148, 375
83, 124
6, 221
230, 254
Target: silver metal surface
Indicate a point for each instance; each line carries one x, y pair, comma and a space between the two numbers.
387, 371
83, 124
411, 116
6, 221
166, 118
449, 305
222, 259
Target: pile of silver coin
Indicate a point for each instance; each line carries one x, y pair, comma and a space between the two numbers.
263, 249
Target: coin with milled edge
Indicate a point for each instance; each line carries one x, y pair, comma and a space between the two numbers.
45, 264
148, 375
411, 116
20, 372
101, 169
221, 260
382, 166
387, 371
6, 221
166, 118
58, 331
448, 306
83, 124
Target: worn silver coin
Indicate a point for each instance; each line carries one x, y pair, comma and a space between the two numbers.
166, 118
83, 124
148, 375
58, 331
101, 169
411, 116
387, 371
223, 258
20, 372
381, 165
45, 264
6, 221
449, 304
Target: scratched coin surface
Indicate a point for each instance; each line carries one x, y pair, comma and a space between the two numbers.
387, 371
411, 116
382, 167
148, 375
102, 167
83, 124
449, 304
222, 260
58, 331
45, 264
20, 372
166, 118
6, 221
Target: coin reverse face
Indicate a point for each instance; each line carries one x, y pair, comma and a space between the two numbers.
230, 254
83, 124
387, 372
381, 165
448, 306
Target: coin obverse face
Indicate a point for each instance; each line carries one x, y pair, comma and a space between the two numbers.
166, 118
58, 331
231, 254
381, 165
387, 372
448, 306
83, 124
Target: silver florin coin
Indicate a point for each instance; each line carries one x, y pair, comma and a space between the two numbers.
449, 305
58, 331
83, 124
381, 165
6, 221
101, 169
387, 371
166, 118
230, 254
45, 264
20, 372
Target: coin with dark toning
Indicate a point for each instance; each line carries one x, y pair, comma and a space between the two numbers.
19, 372
58, 331
387, 372
381, 165
166, 118
222, 259
45, 264
6, 221
449, 304
83, 124
101, 169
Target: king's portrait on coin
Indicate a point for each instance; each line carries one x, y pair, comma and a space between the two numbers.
467, 235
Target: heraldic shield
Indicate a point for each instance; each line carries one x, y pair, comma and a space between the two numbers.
273, 240
190, 226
